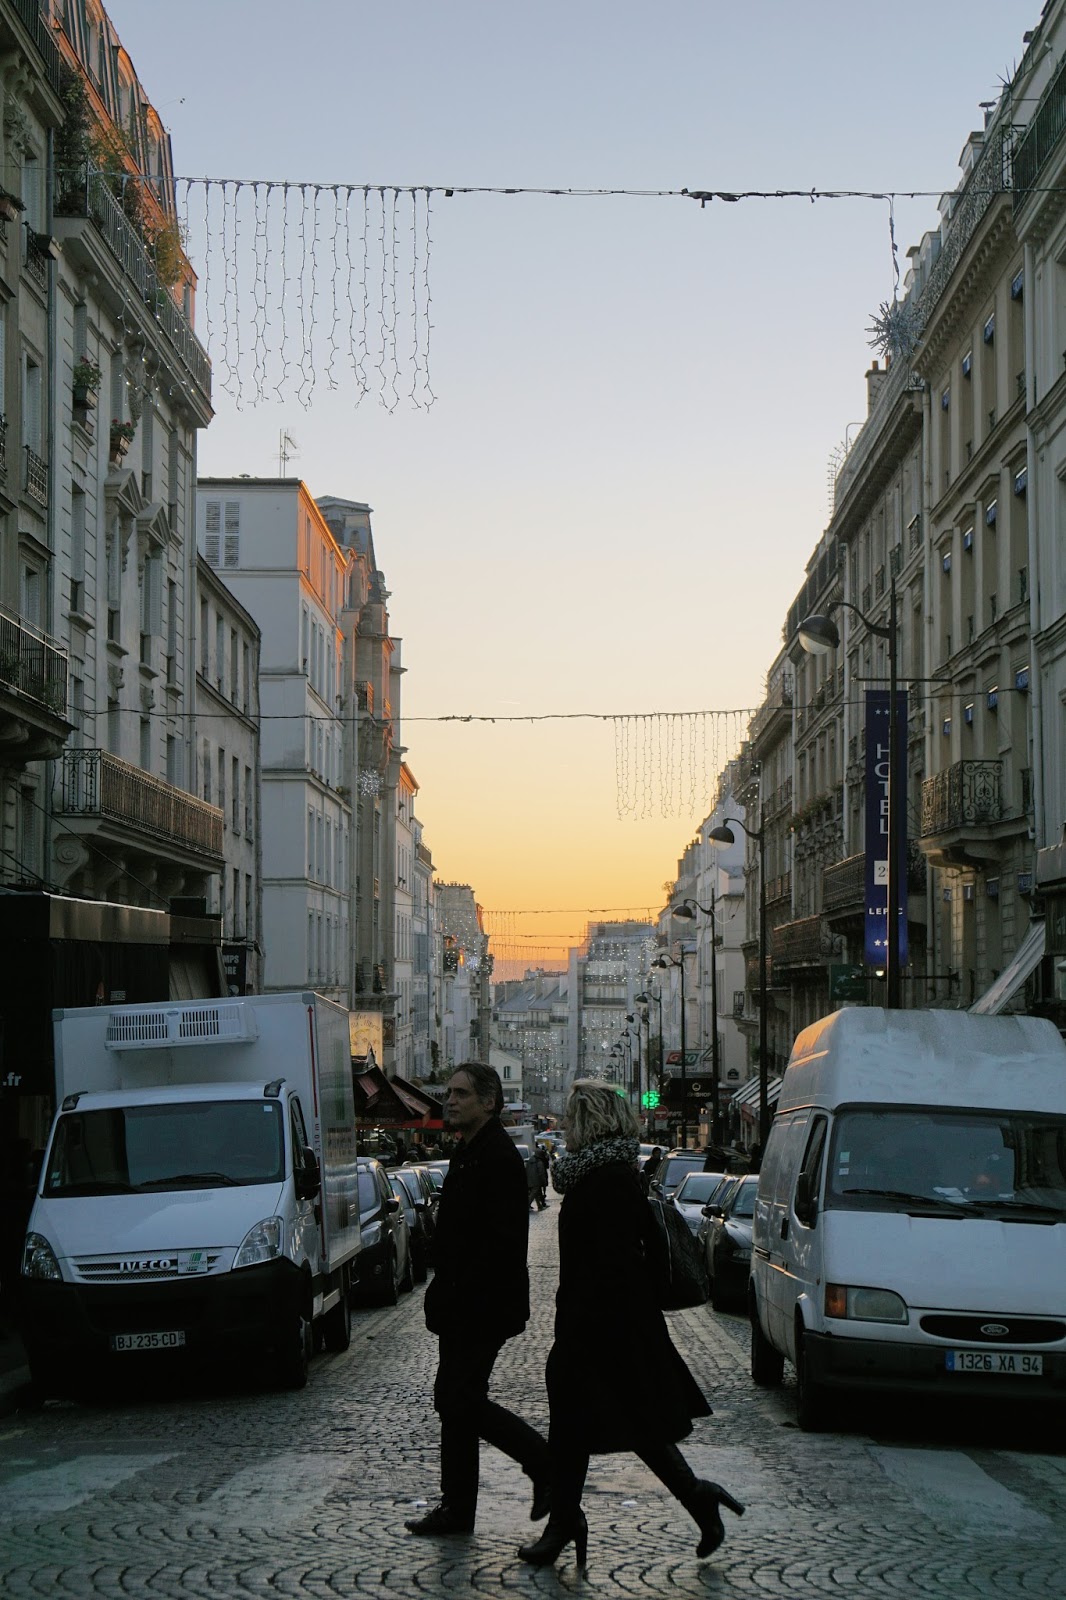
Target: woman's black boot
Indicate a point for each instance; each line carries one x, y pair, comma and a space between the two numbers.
554, 1540
702, 1502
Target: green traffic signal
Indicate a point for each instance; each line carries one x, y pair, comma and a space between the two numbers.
650, 1099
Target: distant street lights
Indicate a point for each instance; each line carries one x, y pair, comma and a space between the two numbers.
666, 961
818, 635
686, 912
723, 836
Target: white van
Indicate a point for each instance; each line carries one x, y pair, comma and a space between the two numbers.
199, 1188
910, 1222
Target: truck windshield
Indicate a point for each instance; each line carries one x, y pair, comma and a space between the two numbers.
198, 1145
1009, 1164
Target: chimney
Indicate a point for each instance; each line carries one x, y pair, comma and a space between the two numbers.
874, 379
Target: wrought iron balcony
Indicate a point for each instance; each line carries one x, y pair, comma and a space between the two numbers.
798, 944
41, 34
966, 794
33, 663
1043, 133
36, 482
844, 884
87, 193
96, 783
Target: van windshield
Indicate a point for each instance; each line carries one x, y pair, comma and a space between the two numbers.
1010, 1164
134, 1149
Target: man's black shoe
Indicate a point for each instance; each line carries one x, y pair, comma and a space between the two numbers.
441, 1520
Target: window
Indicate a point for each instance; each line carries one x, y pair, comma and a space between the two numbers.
204, 662
945, 400
206, 771
946, 562
967, 538
31, 405
77, 550
222, 533
1017, 286
967, 714
990, 513
988, 333
946, 728
233, 677
992, 698
1021, 480
172, 631
1021, 680
235, 801
248, 801
967, 364
220, 648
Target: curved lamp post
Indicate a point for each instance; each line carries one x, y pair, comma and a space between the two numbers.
686, 912
645, 999
723, 836
666, 961
819, 634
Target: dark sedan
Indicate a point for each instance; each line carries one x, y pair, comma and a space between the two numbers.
728, 1245
419, 1198
384, 1263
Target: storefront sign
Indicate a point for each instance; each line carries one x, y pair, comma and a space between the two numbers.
877, 767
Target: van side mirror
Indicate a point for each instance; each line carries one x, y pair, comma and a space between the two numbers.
307, 1178
806, 1202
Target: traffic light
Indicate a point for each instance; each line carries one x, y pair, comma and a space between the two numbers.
650, 1099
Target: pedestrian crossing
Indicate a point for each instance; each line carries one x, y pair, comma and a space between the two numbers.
288, 1489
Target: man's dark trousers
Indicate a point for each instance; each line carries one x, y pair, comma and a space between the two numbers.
467, 1415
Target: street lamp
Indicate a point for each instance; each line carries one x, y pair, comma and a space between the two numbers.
723, 836
666, 961
819, 635
686, 912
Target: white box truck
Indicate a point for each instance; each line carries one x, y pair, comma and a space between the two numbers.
199, 1187
910, 1219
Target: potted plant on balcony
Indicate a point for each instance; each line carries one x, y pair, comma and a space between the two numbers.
121, 437
10, 206
87, 378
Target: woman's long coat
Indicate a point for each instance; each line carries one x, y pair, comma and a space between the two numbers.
613, 1372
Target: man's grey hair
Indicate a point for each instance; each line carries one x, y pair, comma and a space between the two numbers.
486, 1081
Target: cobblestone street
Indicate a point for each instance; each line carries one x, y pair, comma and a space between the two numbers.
241, 1492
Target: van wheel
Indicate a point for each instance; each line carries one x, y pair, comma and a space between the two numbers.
767, 1364
337, 1324
295, 1346
811, 1402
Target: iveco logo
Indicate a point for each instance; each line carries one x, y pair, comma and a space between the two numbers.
994, 1330
148, 1264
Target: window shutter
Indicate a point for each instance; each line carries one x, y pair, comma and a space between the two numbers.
232, 542
212, 535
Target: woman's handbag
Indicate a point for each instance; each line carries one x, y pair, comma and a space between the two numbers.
678, 1269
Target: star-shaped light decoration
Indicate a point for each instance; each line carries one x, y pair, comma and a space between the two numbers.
895, 329
369, 782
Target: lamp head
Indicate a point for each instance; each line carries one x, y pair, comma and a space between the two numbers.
642, 999
818, 635
683, 912
721, 836
661, 961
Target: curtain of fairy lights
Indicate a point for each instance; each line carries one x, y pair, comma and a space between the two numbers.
307, 287
665, 763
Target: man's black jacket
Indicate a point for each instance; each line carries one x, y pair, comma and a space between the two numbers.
480, 1280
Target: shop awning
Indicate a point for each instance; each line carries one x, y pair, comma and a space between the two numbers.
749, 1094
1021, 966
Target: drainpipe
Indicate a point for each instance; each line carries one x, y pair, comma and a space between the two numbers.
50, 608
1039, 833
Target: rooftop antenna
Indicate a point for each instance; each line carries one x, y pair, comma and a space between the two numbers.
287, 449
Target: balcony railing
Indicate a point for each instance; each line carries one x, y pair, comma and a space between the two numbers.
36, 484
41, 34
798, 944
1041, 136
844, 883
87, 194
964, 795
32, 662
97, 784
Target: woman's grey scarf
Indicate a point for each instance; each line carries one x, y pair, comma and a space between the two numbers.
570, 1169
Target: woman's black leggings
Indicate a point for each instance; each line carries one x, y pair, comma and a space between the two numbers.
570, 1465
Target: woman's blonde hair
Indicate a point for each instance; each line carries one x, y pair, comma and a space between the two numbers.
597, 1110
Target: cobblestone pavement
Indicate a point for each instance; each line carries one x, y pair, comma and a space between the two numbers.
234, 1491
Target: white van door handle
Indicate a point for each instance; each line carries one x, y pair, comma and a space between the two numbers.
784, 1227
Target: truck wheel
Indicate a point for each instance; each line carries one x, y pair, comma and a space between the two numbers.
294, 1351
389, 1293
767, 1364
337, 1324
810, 1397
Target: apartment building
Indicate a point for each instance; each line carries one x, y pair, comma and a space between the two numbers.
272, 547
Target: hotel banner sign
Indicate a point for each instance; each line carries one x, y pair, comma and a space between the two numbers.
877, 752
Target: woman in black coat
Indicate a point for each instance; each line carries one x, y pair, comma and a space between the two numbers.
607, 1321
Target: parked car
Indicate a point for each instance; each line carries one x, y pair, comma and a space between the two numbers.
672, 1170
714, 1206
385, 1263
418, 1198
436, 1172
693, 1195
728, 1244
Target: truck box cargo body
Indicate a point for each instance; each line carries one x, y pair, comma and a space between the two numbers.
910, 1221
199, 1189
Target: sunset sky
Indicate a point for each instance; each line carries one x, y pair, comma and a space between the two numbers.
609, 505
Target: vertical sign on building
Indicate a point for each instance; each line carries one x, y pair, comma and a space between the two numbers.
877, 753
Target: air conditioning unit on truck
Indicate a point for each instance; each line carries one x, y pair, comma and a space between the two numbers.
199, 1189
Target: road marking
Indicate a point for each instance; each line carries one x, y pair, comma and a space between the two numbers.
951, 1488
278, 1492
70, 1483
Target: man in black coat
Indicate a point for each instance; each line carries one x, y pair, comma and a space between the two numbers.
477, 1299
